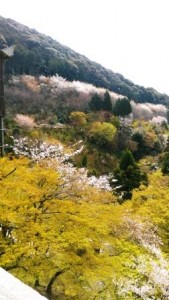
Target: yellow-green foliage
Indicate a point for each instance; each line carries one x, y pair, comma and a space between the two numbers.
78, 118
102, 133
153, 203
71, 245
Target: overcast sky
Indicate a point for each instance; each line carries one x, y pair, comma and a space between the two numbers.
130, 37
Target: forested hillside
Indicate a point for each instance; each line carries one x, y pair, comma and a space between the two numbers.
52, 99
37, 54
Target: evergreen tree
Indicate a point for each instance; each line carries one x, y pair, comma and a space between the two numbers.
95, 103
126, 160
128, 175
107, 105
122, 108
165, 165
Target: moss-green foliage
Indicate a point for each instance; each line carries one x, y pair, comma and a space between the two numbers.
75, 246
96, 161
40, 230
78, 118
153, 203
101, 134
150, 139
67, 135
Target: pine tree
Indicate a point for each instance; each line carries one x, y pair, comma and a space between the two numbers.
126, 160
122, 108
128, 175
165, 165
107, 104
95, 103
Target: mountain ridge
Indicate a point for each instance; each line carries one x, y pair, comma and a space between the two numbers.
37, 53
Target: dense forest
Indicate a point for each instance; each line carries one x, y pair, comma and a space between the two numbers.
85, 177
37, 54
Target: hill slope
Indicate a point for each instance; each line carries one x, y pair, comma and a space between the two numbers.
39, 54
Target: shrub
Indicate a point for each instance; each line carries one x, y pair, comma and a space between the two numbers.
101, 134
25, 121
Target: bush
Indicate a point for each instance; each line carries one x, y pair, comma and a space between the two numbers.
102, 134
78, 118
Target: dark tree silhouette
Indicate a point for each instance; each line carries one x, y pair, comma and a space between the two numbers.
96, 103
128, 176
107, 104
122, 108
165, 164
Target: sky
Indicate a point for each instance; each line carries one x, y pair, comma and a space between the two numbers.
130, 37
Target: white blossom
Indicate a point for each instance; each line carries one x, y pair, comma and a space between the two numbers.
152, 268
37, 151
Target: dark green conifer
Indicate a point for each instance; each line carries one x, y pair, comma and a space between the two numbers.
128, 175
122, 108
126, 160
165, 164
96, 103
107, 104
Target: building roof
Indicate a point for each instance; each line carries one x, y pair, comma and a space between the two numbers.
7, 52
13, 289
3, 42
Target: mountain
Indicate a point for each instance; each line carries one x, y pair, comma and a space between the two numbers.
37, 54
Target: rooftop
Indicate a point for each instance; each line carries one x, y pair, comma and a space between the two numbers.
13, 289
